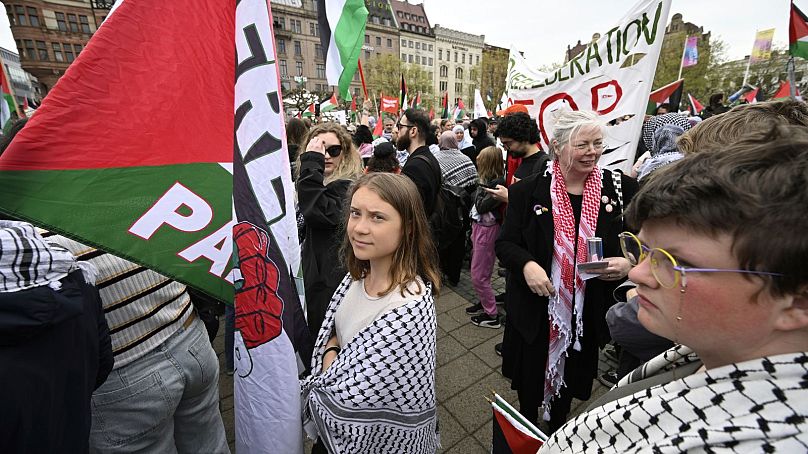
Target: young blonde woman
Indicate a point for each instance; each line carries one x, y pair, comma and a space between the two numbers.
326, 170
373, 382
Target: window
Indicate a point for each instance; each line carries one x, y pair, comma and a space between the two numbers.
403, 43
389, 43
378, 41
297, 25
459, 73
440, 54
367, 55
444, 85
409, 58
298, 49
68, 53
60, 22
42, 50
387, 22
409, 44
430, 47
430, 61
318, 51
10, 13
29, 49
313, 29
21, 19
455, 56
478, 59
299, 68
73, 23
57, 52
280, 23
376, 19
284, 68
403, 57
85, 24
33, 17
417, 59
418, 45
281, 46
444, 71
78, 49
321, 70
458, 87
464, 58
367, 39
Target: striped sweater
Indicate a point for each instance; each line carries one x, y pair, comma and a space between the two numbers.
143, 308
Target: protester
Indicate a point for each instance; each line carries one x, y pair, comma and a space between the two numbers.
464, 143
520, 137
384, 158
54, 344
373, 388
550, 217
456, 170
363, 140
424, 171
729, 286
486, 219
715, 106
492, 126
327, 168
446, 124
163, 393
662, 109
649, 128
478, 130
389, 125
295, 133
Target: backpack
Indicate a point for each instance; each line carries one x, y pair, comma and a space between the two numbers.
449, 217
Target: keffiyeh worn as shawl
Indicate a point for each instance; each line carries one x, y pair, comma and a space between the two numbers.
568, 285
654, 123
664, 152
28, 261
753, 406
379, 393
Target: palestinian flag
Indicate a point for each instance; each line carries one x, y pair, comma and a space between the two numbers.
417, 103
8, 104
785, 91
513, 433
329, 104
798, 33
402, 95
431, 113
670, 94
342, 34
460, 109
353, 111
695, 106
195, 187
751, 97
445, 105
308, 111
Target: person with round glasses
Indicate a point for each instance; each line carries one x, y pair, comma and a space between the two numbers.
326, 170
721, 268
556, 319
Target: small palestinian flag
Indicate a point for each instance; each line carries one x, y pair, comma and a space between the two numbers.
402, 95
785, 91
417, 103
513, 433
669, 94
695, 106
342, 31
7, 104
798, 33
329, 104
751, 97
445, 105
308, 111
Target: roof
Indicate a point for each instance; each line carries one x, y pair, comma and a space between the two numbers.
411, 17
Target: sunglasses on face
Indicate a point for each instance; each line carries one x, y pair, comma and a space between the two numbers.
334, 150
664, 266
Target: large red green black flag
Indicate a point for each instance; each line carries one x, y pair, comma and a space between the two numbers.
164, 143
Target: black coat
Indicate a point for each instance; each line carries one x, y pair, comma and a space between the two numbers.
55, 351
322, 209
526, 236
425, 174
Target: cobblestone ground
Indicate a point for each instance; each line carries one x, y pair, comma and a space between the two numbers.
468, 370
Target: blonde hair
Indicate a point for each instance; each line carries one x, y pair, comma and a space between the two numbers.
490, 164
569, 124
416, 254
349, 167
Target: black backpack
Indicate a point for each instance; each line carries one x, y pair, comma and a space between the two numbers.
450, 215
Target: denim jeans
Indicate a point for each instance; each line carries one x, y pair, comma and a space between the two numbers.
164, 402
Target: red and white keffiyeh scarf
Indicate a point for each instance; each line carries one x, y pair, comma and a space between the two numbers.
568, 285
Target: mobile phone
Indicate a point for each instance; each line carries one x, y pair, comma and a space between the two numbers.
591, 266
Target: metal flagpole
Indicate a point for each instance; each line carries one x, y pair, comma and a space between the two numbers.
682, 61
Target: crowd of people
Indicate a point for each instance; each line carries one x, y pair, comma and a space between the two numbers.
694, 266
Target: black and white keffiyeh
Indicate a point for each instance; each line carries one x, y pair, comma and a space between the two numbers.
378, 396
28, 261
754, 406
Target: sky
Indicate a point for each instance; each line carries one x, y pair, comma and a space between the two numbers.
543, 29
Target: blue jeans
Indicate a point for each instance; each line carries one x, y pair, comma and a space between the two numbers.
164, 402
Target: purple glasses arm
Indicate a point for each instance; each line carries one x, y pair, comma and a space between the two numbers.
718, 270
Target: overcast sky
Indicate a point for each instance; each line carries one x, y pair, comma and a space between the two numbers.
543, 29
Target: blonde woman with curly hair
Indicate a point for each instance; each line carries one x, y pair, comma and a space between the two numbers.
326, 169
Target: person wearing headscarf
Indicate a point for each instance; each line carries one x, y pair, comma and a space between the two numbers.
463, 139
664, 150
650, 127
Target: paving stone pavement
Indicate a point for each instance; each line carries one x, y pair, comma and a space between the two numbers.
468, 370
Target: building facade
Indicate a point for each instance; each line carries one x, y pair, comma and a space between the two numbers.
22, 82
50, 34
417, 36
458, 63
381, 36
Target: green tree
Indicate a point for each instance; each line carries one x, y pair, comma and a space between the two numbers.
383, 74
493, 70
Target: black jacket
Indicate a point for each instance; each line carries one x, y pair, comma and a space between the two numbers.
322, 209
526, 236
422, 173
55, 351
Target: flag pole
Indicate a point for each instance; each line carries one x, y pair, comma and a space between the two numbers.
748, 64
682, 60
792, 89
362, 78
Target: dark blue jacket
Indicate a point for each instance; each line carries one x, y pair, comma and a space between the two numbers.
54, 352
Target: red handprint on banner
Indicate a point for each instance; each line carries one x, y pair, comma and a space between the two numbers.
258, 307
